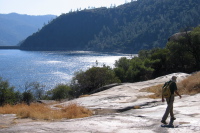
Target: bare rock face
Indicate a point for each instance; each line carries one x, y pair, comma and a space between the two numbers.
6, 120
177, 36
121, 117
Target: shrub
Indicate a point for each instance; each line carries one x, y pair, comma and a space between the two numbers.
35, 89
73, 110
190, 85
61, 91
7, 93
133, 70
92, 79
184, 52
27, 97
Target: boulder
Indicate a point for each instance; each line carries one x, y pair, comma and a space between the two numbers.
177, 36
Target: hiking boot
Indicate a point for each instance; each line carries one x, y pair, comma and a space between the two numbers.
173, 118
164, 122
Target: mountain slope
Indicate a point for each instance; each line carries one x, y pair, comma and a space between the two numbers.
141, 24
15, 27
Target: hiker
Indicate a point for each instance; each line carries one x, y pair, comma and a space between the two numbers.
170, 100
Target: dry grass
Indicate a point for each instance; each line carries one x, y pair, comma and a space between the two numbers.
84, 96
157, 90
137, 107
41, 111
188, 86
75, 111
3, 126
58, 106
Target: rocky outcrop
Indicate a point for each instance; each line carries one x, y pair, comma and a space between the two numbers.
144, 119
177, 36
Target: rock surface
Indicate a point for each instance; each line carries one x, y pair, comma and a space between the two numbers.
118, 102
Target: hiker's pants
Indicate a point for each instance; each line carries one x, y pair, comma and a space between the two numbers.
169, 109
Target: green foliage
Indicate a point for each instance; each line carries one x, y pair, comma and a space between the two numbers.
184, 53
160, 57
61, 91
180, 54
37, 90
132, 70
7, 94
141, 24
18, 97
179, 57
27, 97
33, 91
92, 79
194, 46
122, 67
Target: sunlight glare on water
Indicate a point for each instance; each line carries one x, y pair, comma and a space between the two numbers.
49, 68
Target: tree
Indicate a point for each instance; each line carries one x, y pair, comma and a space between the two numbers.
184, 51
121, 68
27, 97
92, 79
32, 91
194, 45
37, 89
161, 64
7, 93
135, 69
61, 91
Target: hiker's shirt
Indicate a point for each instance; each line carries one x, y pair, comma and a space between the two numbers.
172, 86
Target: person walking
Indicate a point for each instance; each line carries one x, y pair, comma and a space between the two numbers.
170, 100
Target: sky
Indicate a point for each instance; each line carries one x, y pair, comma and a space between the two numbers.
53, 7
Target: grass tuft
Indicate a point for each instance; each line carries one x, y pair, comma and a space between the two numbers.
188, 86
84, 96
75, 111
137, 107
42, 111
157, 90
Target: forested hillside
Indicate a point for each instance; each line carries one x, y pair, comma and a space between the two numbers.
16, 27
142, 24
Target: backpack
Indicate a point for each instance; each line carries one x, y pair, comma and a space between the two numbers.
166, 90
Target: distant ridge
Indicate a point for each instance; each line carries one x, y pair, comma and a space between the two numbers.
16, 27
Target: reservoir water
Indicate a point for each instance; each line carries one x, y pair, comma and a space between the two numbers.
49, 68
